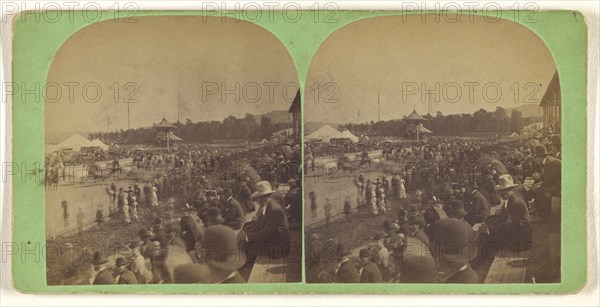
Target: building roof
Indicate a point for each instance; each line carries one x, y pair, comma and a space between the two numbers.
164, 124
552, 95
295, 107
415, 116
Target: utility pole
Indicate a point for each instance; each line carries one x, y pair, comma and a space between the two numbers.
128, 126
378, 116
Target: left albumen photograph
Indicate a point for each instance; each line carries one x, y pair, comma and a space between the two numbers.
172, 155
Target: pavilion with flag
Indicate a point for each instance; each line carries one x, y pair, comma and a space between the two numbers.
165, 135
415, 125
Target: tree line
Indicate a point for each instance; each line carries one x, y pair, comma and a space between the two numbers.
248, 128
497, 121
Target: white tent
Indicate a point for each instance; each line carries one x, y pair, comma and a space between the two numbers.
285, 132
425, 130
325, 133
347, 135
74, 142
98, 143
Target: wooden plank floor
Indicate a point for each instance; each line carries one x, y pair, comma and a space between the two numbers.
267, 270
507, 270
508, 267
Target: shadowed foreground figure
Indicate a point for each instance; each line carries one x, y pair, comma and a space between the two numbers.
222, 257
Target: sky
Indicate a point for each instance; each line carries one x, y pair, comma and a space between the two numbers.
400, 59
160, 61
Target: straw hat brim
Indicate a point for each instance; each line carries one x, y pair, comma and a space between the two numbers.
261, 194
500, 188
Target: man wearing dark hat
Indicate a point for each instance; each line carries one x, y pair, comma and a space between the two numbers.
555, 145
412, 262
101, 275
233, 213
212, 216
456, 209
391, 234
417, 223
550, 185
402, 221
269, 228
293, 198
478, 208
510, 228
346, 271
452, 242
123, 275
369, 272
222, 257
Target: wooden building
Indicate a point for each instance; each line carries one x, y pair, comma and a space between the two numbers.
551, 105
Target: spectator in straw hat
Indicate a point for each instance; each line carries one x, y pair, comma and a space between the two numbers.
269, 228
510, 228
222, 257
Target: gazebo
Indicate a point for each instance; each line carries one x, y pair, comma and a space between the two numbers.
415, 124
164, 133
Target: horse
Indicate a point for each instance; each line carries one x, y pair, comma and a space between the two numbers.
52, 178
330, 168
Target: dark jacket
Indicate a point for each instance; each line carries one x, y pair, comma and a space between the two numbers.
270, 231
104, 278
347, 273
233, 213
128, 278
478, 209
370, 274
552, 175
512, 228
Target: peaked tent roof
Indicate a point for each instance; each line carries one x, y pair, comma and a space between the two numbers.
75, 142
425, 130
347, 135
415, 116
175, 138
325, 133
98, 143
164, 124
